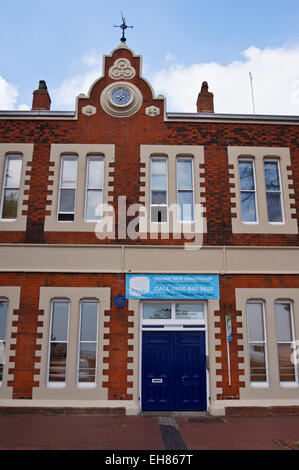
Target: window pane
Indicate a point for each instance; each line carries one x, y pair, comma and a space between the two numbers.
13, 172
283, 322
248, 207
66, 217
57, 369
158, 166
3, 318
257, 363
95, 173
87, 362
274, 207
10, 204
69, 172
157, 311
246, 176
89, 318
286, 367
184, 172
185, 201
60, 321
255, 322
272, 176
189, 311
158, 197
159, 214
3, 321
94, 201
67, 200
159, 182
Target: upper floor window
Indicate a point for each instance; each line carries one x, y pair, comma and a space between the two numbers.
273, 190
185, 197
11, 187
94, 188
3, 322
159, 199
67, 190
82, 186
247, 190
262, 190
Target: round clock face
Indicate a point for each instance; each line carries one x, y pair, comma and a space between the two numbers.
121, 96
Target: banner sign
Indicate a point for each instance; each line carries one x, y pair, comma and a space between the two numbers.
229, 333
172, 286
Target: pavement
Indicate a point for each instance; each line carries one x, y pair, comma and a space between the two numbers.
172, 432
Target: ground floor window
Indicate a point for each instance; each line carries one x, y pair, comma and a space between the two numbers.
284, 321
271, 327
58, 342
3, 322
88, 342
257, 343
169, 312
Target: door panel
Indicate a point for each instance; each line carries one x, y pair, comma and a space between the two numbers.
157, 362
173, 370
190, 371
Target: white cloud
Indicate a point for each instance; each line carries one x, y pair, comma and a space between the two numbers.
8, 94
275, 75
24, 107
65, 95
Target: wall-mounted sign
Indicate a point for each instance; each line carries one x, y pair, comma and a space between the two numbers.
119, 300
229, 332
172, 286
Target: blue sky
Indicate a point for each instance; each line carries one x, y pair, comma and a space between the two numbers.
62, 42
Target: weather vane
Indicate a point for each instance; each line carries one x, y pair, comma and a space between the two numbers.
123, 26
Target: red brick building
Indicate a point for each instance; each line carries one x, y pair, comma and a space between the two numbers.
149, 260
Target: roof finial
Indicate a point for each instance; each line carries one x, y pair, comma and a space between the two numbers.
123, 26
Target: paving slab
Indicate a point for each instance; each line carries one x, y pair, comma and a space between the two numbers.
173, 432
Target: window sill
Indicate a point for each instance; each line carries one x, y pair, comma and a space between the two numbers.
86, 385
56, 385
289, 384
259, 385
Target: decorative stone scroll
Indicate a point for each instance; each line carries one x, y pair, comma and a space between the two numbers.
89, 110
122, 69
152, 111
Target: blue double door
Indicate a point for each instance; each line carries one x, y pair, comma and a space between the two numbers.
174, 371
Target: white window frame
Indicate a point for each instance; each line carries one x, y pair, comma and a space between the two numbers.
100, 190
251, 160
292, 342
67, 157
173, 322
4, 299
49, 383
265, 343
178, 158
153, 158
88, 384
4, 188
277, 161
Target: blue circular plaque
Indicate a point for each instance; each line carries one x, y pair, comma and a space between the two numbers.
119, 300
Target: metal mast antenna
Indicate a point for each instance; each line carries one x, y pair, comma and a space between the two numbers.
123, 26
252, 94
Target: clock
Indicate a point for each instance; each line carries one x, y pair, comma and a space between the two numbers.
121, 96
121, 99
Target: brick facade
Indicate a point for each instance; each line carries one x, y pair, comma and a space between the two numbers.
128, 134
